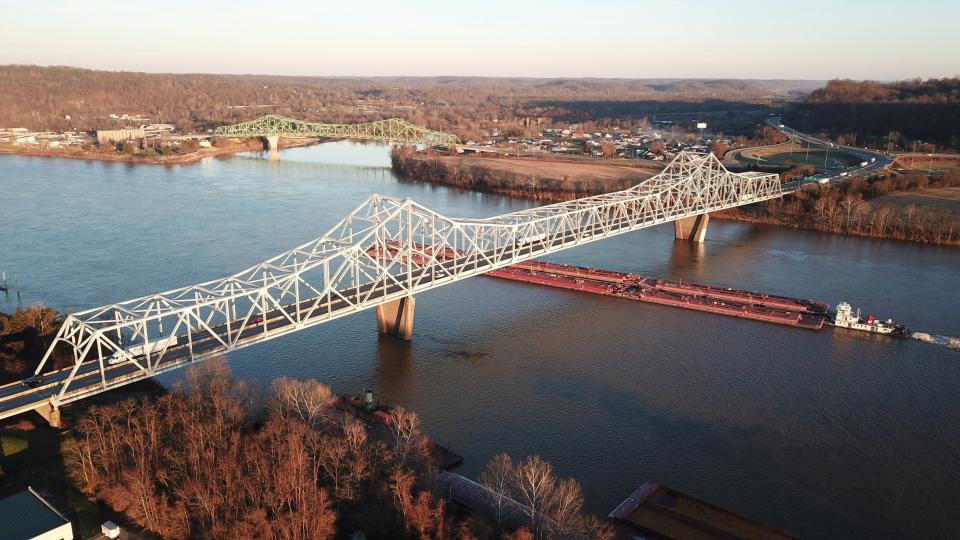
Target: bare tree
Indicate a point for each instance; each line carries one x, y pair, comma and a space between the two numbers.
534, 484
405, 432
498, 477
566, 506
307, 400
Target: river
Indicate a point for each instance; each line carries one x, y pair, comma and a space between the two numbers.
826, 434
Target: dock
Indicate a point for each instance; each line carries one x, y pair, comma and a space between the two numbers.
797, 312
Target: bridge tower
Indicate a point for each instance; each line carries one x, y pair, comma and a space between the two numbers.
693, 228
50, 413
273, 145
396, 318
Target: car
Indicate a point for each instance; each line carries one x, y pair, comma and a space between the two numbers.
31, 381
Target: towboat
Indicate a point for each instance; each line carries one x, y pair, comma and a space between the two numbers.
846, 318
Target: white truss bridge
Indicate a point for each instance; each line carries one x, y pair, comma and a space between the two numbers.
384, 251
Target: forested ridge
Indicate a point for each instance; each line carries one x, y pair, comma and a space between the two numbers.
893, 114
41, 98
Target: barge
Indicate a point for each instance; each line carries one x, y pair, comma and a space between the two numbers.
657, 511
809, 314
783, 310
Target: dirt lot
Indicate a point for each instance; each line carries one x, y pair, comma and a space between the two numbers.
945, 198
923, 162
560, 167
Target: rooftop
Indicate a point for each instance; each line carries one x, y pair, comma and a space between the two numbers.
27, 515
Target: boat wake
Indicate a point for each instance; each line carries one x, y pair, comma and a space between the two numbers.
943, 341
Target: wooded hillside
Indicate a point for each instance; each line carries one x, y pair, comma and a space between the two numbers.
41, 97
897, 113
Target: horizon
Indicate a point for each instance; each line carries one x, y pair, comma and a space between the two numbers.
747, 40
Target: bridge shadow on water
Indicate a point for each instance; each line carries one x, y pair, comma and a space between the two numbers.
394, 369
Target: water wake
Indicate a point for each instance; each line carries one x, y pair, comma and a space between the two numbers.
943, 341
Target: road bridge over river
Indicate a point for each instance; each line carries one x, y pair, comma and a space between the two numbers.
393, 130
380, 256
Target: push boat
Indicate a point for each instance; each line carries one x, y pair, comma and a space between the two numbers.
846, 318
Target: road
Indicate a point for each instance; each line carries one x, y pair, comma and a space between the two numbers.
875, 161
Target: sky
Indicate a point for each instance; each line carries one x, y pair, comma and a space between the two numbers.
802, 39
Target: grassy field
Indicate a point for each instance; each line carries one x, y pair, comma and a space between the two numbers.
945, 198
787, 154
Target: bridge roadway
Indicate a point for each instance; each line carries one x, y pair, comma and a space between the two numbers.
16, 399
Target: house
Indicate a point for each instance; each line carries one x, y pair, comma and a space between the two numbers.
29, 516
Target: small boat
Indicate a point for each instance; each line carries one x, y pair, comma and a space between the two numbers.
845, 318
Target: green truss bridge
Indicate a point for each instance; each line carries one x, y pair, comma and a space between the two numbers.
393, 130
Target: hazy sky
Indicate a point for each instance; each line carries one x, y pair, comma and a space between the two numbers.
802, 39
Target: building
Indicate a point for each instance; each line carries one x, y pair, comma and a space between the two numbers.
28, 516
106, 136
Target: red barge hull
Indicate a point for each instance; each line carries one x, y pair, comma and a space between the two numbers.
757, 306
731, 302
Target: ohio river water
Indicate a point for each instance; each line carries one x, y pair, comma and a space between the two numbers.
828, 434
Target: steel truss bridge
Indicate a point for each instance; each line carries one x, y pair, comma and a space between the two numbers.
393, 130
384, 251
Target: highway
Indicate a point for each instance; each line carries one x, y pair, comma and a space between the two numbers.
875, 161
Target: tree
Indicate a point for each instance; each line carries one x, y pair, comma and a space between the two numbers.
719, 148
534, 484
497, 476
405, 433
308, 401
609, 149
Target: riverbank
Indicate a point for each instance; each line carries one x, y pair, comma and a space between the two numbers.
223, 147
860, 207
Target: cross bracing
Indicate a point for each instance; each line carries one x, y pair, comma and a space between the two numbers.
385, 249
393, 130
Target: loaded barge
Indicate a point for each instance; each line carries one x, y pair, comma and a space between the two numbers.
808, 314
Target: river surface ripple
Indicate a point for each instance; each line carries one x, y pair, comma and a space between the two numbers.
826, 434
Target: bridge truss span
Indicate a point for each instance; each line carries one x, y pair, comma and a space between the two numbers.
394, 130
384, 250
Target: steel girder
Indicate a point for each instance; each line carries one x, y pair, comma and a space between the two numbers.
385, 249
393, 130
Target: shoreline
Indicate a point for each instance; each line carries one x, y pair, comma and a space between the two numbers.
519, 186
234, 147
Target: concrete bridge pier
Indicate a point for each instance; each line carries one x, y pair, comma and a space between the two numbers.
396, 318
273, 145
693, 228
50, 413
